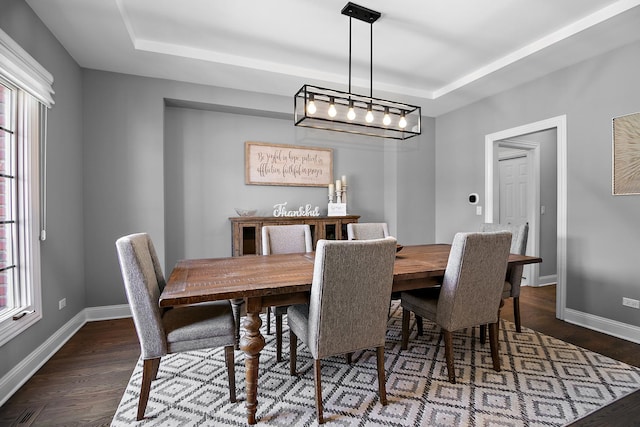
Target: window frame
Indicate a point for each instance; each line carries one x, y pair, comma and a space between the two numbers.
34, 95
26, 198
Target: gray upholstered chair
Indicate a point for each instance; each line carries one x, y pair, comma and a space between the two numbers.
347, 311
284, 239
367, 230
165, 331
470, 295
520, 233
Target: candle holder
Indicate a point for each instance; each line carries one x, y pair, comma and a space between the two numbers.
339, 196
331, 198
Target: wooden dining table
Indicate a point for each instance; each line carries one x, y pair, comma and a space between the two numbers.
276, 280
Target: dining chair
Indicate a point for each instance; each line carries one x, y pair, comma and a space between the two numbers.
367, 230
470, 294
165, 331
513, 278
284, 239
347, 308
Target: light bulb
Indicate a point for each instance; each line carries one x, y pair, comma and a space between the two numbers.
332, 108
351, 114
369, 116
311, 105
403, 122
386, 120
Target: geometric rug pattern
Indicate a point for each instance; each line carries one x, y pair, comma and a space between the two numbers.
543, 382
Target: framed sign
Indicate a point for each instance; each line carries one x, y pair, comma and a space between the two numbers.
276, 164
626, 154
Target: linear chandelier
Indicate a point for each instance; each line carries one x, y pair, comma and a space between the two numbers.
330, 109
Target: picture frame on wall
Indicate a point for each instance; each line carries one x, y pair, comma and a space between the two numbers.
626, 155
289, 165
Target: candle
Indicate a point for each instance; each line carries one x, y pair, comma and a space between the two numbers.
344, 180
338, 185
331, 191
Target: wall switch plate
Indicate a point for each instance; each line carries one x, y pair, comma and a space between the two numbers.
630, 302
478, 210
62, 303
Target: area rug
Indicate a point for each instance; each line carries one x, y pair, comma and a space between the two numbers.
543, 382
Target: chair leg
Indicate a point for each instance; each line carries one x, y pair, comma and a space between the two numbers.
231, 372
382, 390
405, 328
349, 357
493, 342
483, 334
419, 325
448, 353
516, 313
148, 368
236, 306
268, 320
317, 371
156, 365
278, 337
293, 350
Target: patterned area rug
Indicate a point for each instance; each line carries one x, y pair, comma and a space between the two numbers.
543, 382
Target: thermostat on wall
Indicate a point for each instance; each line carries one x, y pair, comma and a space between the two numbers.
473, 198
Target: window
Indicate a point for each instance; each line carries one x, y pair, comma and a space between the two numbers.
19, 211
25, 94
7, 197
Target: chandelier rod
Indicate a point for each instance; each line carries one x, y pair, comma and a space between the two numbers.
371, 64
350, 54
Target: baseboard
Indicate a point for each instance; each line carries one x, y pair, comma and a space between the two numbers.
20, 374
601, 324
551, 279
107, 312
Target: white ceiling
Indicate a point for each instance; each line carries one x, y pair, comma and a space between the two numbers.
439, 54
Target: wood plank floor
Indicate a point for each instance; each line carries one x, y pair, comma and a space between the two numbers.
83, 383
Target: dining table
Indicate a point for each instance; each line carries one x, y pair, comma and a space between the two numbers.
275, 280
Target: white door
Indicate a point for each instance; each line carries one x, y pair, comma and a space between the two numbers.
514, 182
514, 197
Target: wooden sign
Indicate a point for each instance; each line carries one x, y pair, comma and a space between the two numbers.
276, 164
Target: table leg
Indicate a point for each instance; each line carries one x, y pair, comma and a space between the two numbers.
252, 342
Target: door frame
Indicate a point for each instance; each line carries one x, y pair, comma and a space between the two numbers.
491, 165
532, 152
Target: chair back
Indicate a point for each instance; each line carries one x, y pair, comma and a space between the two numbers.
367, 230
143, 282
473, 280
520, 234
350, 295
286, 239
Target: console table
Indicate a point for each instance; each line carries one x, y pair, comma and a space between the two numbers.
246, 231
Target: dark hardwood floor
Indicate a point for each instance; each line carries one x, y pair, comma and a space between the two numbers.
83, 383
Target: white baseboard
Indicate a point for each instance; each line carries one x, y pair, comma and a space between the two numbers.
551, 279
601, 324
108, 312
20, 374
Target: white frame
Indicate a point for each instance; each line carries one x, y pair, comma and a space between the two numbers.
33, 89
491, 143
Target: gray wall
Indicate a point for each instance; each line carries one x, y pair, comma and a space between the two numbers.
204, 179
178, 172
62, 252
603, 235
548, 199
